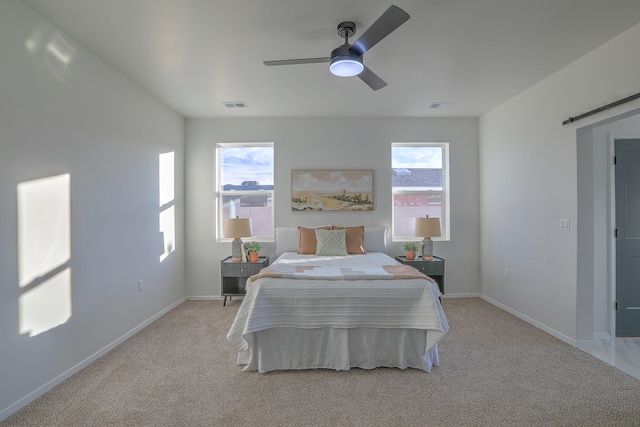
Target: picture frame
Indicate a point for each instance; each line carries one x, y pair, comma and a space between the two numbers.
332, 190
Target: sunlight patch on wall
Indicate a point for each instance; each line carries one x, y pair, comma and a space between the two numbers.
47, 305
168, 230
51, 51
166, 184
166, 178
44, 228
44, 252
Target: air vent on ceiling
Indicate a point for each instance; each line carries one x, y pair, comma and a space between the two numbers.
235, 104
441, 105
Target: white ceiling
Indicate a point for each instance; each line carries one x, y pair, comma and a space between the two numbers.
193, 55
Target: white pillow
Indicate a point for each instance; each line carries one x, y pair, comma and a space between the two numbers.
287, 240
375, 239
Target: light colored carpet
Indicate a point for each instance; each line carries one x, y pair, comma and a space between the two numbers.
496, 370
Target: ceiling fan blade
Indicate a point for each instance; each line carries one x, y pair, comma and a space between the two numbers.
297, 61
384, 25
371, 79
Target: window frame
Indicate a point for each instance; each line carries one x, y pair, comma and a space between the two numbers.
220, 193
445, 219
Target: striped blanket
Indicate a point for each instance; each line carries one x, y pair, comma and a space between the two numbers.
326, 272
362, 292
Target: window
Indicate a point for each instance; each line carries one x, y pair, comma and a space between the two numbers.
420, 186
245, 187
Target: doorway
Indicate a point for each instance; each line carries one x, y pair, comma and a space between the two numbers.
596, 246
627, 237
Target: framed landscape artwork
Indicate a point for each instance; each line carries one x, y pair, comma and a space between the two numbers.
332, 190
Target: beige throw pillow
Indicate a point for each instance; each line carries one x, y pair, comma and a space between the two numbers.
308, 242
355, 239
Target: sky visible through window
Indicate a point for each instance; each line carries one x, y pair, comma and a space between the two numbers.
416, 157
256, 163
246, 164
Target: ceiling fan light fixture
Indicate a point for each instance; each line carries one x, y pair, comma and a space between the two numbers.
346, 66
346, 60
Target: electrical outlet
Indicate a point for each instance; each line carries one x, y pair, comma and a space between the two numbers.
140, 285
565, 224
506, 273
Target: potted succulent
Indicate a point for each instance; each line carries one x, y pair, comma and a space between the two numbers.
254, 251
410, 249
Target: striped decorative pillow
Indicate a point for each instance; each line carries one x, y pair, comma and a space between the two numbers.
331, 242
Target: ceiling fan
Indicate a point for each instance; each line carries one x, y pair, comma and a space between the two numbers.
346, 60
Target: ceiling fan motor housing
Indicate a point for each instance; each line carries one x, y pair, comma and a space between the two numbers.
345, 63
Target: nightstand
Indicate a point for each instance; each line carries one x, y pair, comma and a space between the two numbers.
235, 275
433, 268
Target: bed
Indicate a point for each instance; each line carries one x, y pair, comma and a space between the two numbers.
364, 310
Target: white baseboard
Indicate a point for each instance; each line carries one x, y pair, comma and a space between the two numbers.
461, 296
205, 297
213, 298
5, 413
529, 320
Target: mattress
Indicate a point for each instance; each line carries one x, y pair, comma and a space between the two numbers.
338, 322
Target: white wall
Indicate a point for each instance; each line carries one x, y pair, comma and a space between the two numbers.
331, 143
529, 167
64, 111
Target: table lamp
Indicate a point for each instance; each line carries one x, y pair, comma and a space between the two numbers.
427, 228
237, 228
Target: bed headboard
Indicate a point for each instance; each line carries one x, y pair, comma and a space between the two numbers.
288, 239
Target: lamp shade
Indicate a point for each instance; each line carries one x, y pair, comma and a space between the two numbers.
427, 227
237, 227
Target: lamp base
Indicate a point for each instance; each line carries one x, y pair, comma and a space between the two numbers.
427, 249
236, 250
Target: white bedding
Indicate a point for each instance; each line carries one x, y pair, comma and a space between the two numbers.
297, 324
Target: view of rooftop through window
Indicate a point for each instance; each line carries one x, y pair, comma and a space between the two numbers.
245, 186
418, 184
